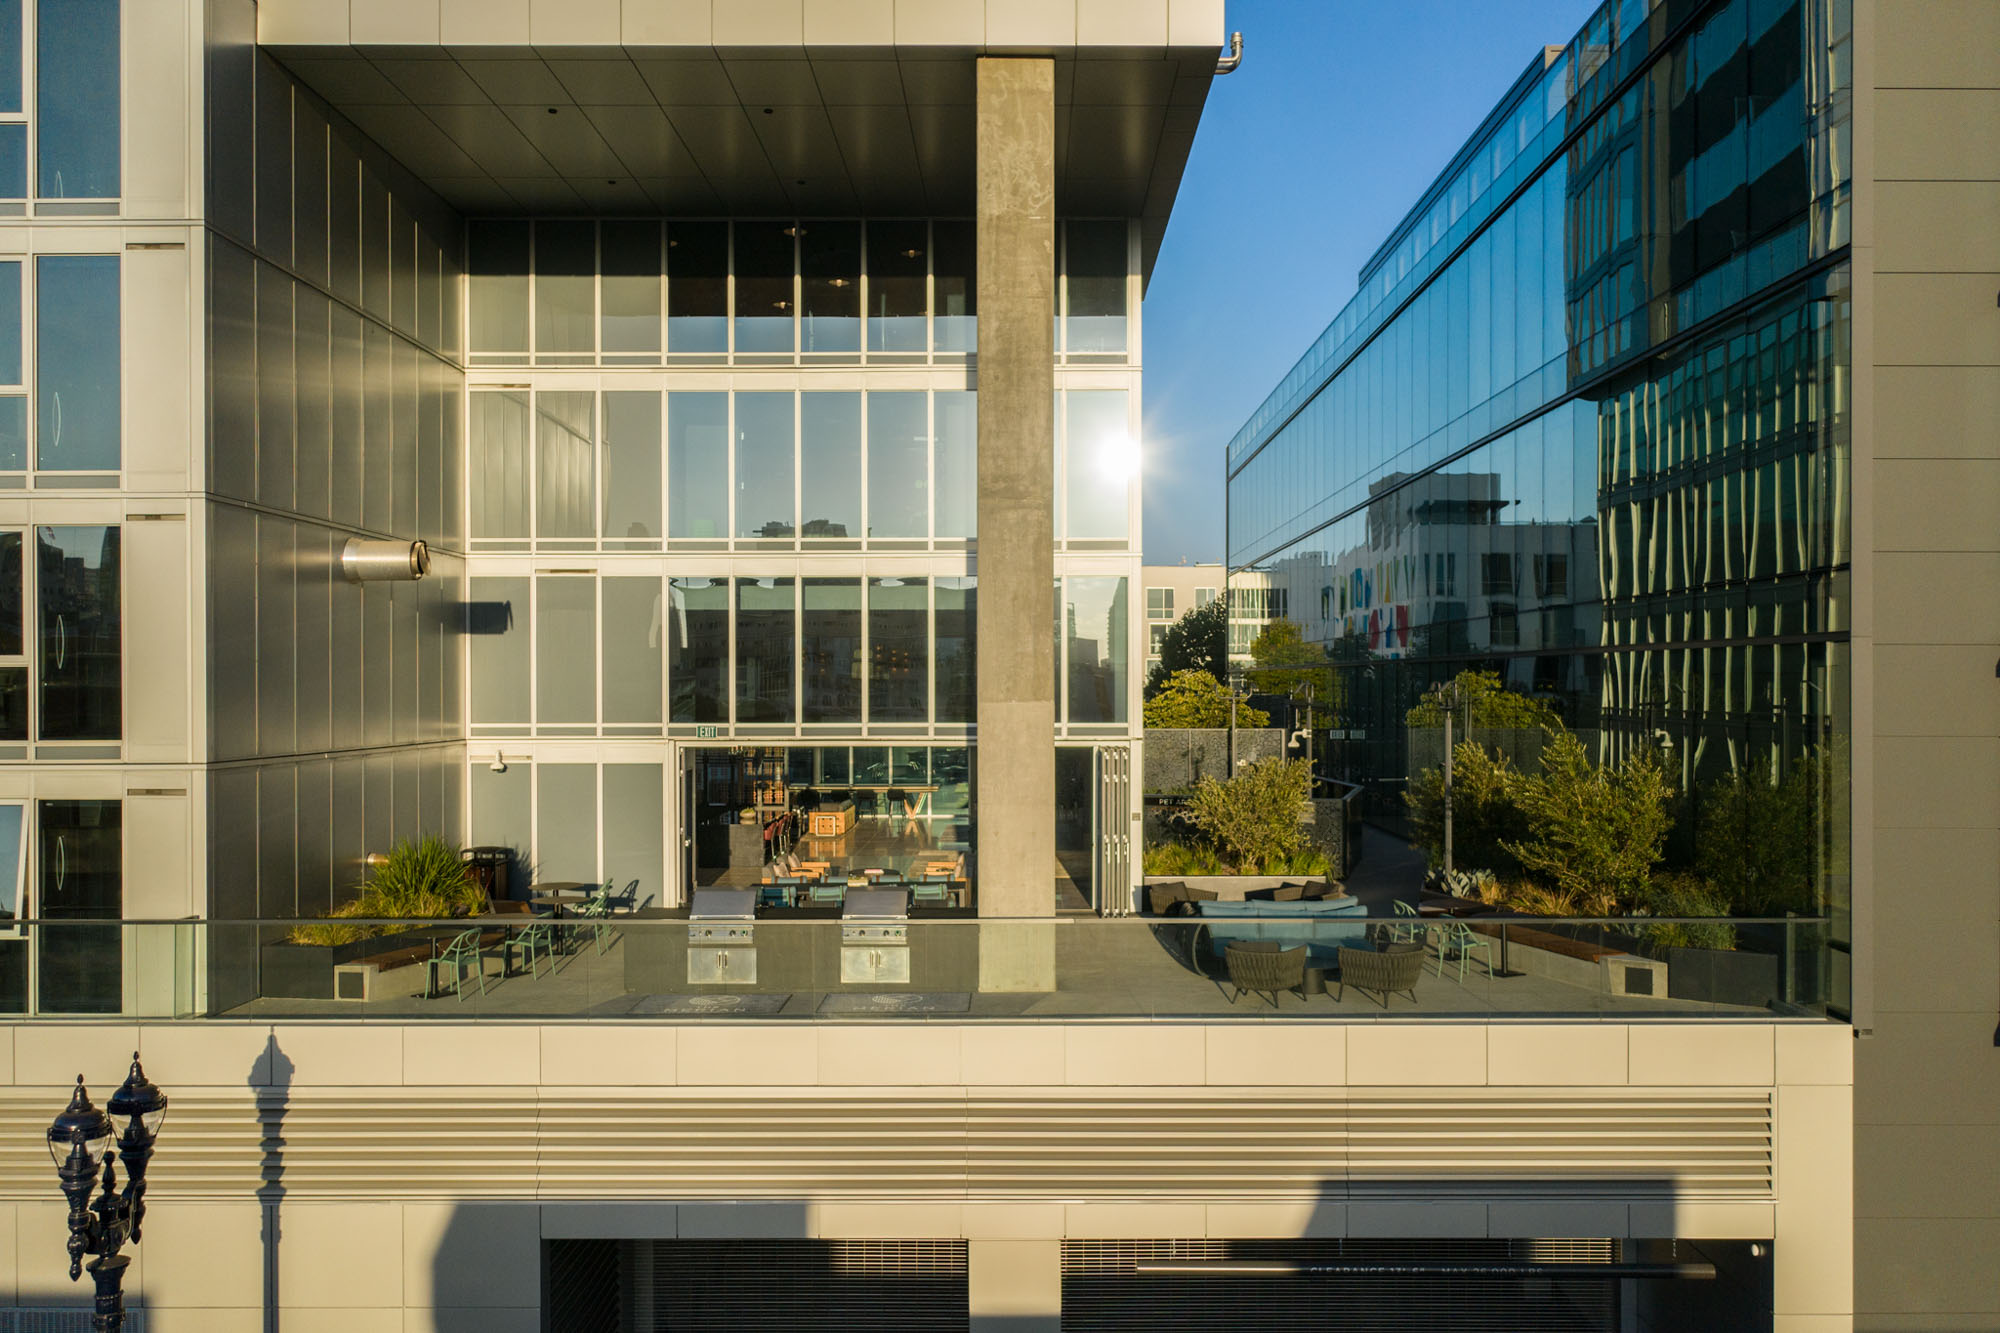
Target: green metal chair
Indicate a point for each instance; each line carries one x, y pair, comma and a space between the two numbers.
463, 954
538, 938
1411, 931
1460, 940
595, 914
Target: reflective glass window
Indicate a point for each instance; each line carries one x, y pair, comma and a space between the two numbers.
830, 649
898, 650
830, 286
79, 967
871, 766
497, 629
565, 464
498, 475
697, 635
630, 319
76, 363
697, 464
956, 450
13, 161
13, 854
565, 650
909, 764
497, 269
897, 269
565, 288
1094, 269
10, 55
633, 625
957, 649
1094, 621
898, 466
82, 649
697, 287
830, 464
1100, 461
76, 100
632, 444
764, 305
764, 465
764, 643
953, 266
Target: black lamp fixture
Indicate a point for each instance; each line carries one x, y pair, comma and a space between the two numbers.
80, 1141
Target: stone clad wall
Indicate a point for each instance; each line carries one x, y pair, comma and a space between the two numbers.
1179, 757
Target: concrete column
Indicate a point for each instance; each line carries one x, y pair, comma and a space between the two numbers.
1015, 1286
1016, 780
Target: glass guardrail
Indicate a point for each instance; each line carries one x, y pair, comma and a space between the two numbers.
1235, 961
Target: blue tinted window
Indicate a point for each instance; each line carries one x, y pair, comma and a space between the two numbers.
76, 103
10, 323
10, 55
76, 362
13, 161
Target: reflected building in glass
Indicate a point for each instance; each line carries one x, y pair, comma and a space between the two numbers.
1586, 424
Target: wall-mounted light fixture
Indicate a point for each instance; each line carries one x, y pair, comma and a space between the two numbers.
499, 764
364, 561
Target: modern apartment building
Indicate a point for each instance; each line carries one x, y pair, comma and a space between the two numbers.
711, 347
1659, 405
1174, 590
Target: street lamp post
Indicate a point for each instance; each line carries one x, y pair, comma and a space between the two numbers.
80, 1141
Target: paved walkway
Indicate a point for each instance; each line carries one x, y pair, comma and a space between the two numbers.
1389, 869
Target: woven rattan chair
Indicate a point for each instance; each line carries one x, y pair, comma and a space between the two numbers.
1266, 971
1389, 972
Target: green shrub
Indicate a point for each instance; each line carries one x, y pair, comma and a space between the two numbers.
1485, 810
1594, 833
1197, 699
1680, 894
422, 880
1490, 702
1256, 819
1756, 836
1182, 860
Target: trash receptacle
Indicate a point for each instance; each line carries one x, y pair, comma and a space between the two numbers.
488, 868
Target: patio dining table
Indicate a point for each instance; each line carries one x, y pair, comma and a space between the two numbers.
561, 893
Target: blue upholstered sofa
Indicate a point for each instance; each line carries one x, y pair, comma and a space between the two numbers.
1324, 926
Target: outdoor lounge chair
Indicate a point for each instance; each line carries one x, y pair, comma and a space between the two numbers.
1392, 971
930, 893
1264, 969
540, 937
827, 895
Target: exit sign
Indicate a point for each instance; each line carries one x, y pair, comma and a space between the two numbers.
707, 733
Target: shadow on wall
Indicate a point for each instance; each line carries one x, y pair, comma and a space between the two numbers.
271, 1076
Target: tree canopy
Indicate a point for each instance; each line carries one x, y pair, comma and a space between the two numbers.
1287, 664
1197, 699
1198, 641
1491, 702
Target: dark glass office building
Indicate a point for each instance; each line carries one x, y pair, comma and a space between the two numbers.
1586, 425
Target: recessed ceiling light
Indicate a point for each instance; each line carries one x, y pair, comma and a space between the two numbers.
838, 282
552, 111
768, 111
913, 254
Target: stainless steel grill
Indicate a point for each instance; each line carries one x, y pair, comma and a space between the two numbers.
722, 937
875, 936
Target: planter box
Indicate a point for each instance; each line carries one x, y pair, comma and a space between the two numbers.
1232, 888
1723, 976
305, 971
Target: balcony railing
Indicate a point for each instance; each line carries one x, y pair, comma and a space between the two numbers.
658, 965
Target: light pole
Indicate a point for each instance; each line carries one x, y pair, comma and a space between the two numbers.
1447, 702
80, 1141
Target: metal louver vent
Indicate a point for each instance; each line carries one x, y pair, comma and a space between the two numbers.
580, 1286
794, 1286
1102, 1292
55, 1319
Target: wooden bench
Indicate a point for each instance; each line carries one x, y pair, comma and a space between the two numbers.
1542, 939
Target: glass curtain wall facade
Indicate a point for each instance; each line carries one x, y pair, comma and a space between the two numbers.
1585, 427
722, 491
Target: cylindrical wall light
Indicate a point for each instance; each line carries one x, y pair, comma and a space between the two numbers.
372, 562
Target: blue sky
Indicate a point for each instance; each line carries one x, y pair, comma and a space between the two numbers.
1343, 111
